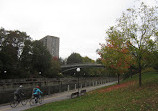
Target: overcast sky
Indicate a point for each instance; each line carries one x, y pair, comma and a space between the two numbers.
80, 24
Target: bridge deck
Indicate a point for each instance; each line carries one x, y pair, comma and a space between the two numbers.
74, 66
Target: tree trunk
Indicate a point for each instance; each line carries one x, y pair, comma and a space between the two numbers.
140, 70
131, 72
118, 77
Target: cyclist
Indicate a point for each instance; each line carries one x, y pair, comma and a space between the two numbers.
36, 93
19, 93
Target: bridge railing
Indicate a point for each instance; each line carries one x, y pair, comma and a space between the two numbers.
82, 65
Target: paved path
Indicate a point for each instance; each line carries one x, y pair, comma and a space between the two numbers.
52, 98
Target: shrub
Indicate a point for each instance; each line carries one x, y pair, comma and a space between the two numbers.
149, 69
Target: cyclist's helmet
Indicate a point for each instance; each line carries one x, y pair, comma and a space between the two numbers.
20, 86
37, 87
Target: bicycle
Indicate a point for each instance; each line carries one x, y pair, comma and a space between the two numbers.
14, 100
34, 100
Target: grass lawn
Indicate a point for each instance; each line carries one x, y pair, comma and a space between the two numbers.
127, 96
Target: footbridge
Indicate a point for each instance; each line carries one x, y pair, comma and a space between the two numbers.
74, 66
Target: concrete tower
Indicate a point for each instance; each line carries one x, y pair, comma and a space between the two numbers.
52, 44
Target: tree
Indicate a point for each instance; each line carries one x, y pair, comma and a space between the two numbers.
139, 26
9, 59
41, 58
17, 39
11, 45
62, 61
155, 65
115, 54
26, 57
87, 60
21, 57
88, 71
55, 68
74, 58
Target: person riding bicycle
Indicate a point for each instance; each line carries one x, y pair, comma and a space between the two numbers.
36, 93
19, 93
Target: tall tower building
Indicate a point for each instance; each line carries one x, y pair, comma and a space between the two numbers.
52, 44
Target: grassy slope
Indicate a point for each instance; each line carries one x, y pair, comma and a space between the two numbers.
127, 98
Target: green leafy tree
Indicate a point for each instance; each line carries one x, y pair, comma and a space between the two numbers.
11, 44
41, 58
139, 26
26, 57
55, 68
62, 61
74, 58
155, 63
87, 60
10, 60
90, 71
87, 71
16, 38
103, 71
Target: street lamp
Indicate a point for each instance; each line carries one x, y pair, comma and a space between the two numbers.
78, 70
40, 80
5, 72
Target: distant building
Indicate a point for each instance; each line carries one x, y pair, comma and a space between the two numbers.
52, 44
